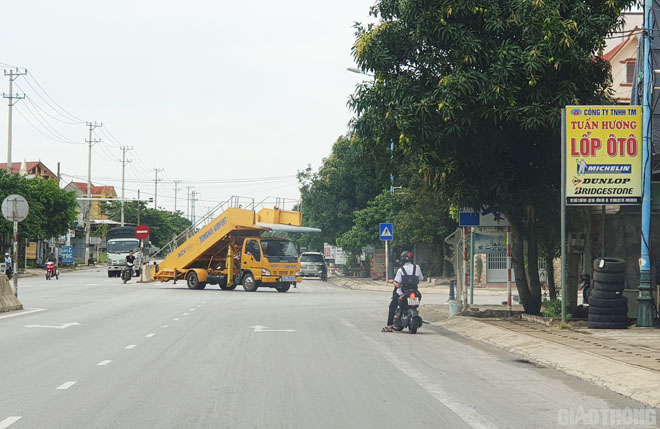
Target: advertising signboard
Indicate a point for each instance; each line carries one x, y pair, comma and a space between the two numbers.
603, 155
31, 250
67, 254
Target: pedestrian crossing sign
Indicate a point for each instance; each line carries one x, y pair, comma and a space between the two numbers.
386, 231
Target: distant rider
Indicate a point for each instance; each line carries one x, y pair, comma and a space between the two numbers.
9, 266
409, 273
130, 259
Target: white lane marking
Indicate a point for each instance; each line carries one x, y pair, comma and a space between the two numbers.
9, 421
22, 313
62, 326
149, 335
199, 305
176, 318
67, 385
104, 362
130, 346
165, 326
193, 309
462, 410
185, 314
92, 284
203, 302
260, 328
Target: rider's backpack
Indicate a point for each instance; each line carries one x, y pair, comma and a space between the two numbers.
409, 281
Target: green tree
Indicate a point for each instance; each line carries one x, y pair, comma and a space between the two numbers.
475, 89
345, 182
52, 210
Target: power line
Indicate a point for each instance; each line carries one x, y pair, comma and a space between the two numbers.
63, 111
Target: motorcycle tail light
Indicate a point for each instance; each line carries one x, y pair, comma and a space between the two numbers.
413, 295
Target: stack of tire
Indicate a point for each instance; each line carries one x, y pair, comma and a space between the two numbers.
608, 308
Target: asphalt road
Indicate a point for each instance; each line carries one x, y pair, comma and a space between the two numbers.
89, 351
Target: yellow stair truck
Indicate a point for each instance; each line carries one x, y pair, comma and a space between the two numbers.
229, 250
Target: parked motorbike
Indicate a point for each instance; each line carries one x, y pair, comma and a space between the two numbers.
127, 272
52, 271
406, 315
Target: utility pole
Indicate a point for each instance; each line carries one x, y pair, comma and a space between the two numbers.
13, 74
645, 307
192, 206
188, 203
176, 183
156, 170
124, 149
139, 204
88, 224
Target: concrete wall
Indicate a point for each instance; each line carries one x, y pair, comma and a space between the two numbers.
623, 240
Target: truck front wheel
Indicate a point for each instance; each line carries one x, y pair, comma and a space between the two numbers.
249, 284
283, 287
192, 280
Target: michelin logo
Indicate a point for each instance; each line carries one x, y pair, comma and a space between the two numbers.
584, 168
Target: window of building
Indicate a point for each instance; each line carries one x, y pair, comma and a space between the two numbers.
630, 71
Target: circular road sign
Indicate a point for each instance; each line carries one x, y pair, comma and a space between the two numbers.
142, 232
22, 208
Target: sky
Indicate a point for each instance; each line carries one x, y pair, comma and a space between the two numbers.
230, 98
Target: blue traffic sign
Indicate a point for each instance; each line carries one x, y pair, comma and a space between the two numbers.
386, 231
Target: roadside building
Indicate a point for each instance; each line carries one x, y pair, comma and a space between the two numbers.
30, 169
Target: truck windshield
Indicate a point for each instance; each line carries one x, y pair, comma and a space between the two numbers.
278, 248
123, 246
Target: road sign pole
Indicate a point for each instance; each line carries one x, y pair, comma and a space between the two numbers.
471, 265
387, 262
15, 261
563, 216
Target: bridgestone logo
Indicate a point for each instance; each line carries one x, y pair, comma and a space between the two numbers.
604, 191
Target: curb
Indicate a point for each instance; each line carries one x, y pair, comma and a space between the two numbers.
628, 380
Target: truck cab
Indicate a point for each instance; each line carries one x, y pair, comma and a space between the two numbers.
269, 262
119, 242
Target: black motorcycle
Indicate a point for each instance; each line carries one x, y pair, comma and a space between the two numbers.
406, 315
127, 272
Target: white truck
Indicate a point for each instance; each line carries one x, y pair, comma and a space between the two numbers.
119, 241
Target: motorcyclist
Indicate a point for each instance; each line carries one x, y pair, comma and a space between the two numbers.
9, 266
51, 258
408, 270
130, 259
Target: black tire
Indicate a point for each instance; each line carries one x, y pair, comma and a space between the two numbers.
607, 325
607, 310
413, 326
602, 294
57, 275
47, 275
619, 302
201, 285
249, 284
110, 274
192, 280
225, 287
608, 317
609, 287
609, 277
609, 265
125, 276
283, 287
